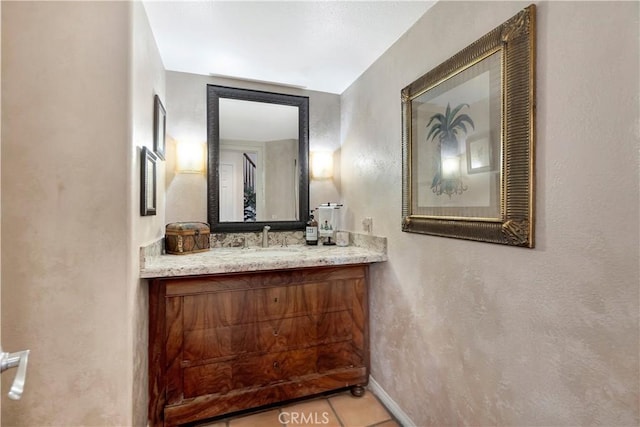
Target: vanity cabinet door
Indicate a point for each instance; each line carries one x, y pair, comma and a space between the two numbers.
224, 343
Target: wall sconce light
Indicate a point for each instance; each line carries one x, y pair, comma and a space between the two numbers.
321, 164
189, 157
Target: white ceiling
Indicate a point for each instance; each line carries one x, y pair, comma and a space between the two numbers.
316, 45
268, 122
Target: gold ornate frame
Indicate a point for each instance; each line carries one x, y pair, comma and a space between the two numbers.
515, 40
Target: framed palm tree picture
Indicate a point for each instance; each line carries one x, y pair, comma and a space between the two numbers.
468, 140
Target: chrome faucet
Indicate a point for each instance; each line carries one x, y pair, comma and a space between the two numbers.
265, 236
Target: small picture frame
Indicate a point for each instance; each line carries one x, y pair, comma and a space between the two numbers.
159, 127
148, 178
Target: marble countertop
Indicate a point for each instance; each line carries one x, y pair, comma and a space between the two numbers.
232, 260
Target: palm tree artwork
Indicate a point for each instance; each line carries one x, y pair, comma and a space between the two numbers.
446, 128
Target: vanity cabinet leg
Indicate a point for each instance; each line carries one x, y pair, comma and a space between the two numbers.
357, 390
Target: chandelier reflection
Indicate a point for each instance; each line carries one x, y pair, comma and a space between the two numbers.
448, 180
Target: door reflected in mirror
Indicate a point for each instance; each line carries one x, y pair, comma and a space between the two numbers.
258, 159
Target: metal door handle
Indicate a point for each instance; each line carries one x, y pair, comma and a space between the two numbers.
11, 360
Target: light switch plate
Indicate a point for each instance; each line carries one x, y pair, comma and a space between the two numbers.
367, 224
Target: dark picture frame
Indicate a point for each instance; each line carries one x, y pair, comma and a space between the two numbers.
480, 102
159, 127
148, 181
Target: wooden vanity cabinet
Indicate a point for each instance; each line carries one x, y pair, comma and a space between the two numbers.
228, 342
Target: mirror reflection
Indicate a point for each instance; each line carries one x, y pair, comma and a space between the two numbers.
258, 159
258, 162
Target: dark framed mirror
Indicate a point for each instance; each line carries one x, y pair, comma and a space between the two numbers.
258, 160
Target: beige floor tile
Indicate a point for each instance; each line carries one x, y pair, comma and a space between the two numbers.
218, 424
262, 419
359, 411
312, 413
390, 423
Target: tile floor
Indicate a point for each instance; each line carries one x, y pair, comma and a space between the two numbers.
335, 410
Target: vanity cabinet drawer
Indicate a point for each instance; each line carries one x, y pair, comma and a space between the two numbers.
249, 372
273, 368
225, 308
274, 335
266, 337
258, 337
214, 309
282, 301
224, 343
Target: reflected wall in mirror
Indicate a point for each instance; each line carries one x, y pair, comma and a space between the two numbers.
258, 159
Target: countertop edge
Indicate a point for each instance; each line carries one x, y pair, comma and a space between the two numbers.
249, 265
225, 261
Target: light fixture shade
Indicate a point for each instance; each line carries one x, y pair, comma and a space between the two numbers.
321, 164
189, 157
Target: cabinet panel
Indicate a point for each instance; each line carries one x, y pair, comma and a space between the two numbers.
334, 295
212, 378
338, 356
202, 344
173, 354
335, 326
208, 310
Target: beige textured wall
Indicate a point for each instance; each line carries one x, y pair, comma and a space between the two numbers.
64, 210
187, 118
280, 179
77, 104
467, 333
147, 80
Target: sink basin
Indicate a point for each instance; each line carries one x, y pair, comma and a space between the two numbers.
273, 251
258, 252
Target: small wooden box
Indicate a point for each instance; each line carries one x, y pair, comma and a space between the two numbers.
186, 237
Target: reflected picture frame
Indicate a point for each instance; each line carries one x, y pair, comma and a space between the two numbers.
481, 103
479, 153
159, 127
148, 182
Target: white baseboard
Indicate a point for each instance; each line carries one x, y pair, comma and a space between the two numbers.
388, 402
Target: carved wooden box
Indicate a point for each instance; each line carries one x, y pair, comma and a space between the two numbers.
186, 237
